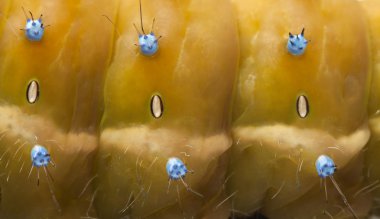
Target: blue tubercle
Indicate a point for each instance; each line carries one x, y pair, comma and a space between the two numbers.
148, 44
34, 29
40, 156
297, 43
325, 166
175, 168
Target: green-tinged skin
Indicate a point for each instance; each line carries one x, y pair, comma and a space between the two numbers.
274, 150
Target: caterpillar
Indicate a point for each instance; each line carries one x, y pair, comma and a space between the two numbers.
225, 95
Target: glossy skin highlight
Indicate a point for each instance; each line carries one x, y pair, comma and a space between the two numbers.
70, 73
269, 135
269, 141
130, 133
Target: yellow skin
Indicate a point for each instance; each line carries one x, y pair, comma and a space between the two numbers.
372, 10
196, 94
270, 139
67, 122
96, 88
65, 119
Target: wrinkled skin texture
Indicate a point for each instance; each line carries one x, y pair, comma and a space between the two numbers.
196, 95
66, 117
270, 139
71, 65
229, 90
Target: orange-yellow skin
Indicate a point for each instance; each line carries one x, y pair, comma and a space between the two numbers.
270, 139
69, 65
372, 11
194, 72
218, 61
